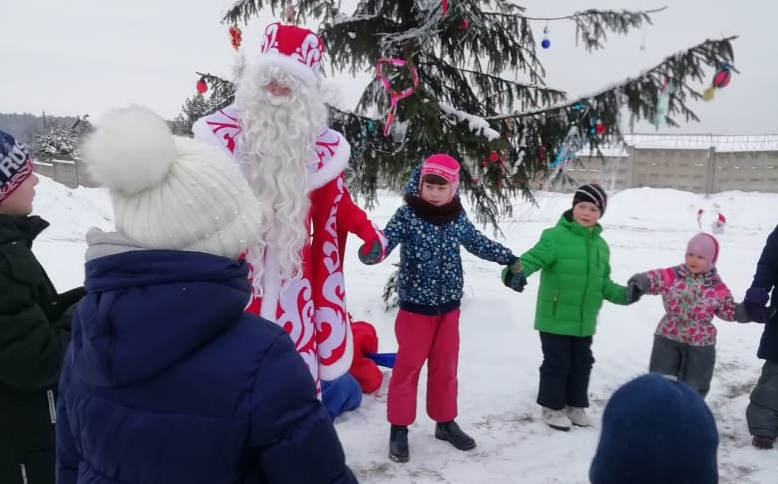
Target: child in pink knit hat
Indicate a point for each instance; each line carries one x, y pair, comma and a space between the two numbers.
693, 294
439, 179
431, 227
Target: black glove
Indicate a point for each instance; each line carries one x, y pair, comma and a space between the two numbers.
513, 276
637, 285
64, 301
71, 297
370, 254
755, 304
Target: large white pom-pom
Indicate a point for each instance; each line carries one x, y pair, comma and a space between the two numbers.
131, 150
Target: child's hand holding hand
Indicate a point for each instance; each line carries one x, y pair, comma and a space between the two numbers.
371, 254
637, 285
513, 276
755, 304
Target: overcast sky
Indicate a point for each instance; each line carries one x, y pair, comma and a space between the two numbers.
69, 57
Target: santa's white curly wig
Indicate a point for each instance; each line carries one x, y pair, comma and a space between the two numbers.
277, 140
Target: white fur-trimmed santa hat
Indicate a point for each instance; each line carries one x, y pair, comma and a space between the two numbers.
170, 192
295, 50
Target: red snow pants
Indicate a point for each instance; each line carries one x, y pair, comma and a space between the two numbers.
420, 338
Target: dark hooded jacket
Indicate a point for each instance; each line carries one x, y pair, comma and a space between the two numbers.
169, 381
34, 332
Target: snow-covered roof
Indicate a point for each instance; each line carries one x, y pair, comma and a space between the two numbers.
725, 143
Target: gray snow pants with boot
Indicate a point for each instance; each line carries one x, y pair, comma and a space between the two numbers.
762, 412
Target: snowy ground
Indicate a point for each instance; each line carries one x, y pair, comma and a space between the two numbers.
500, 352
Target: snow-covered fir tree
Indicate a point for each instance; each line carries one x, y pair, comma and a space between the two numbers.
58, 141
481, 93
193, 109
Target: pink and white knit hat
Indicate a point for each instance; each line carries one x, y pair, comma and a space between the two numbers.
704, 245
443, 166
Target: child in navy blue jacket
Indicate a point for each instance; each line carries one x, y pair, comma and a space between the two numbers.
431, 227
168, 379
762, 412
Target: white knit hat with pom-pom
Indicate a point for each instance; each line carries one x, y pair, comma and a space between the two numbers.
170, 192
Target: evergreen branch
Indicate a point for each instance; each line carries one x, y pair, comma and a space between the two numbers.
244, 10
593, 12
494, 93
222, 91
643, 90
447, 83
592, 25
349, 51
507, 46
491, 83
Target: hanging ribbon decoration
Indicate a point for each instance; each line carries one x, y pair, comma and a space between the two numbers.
662, 103
570, 147
395, 96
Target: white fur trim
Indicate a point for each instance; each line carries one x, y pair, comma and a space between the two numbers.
203, 132
334, 165
132, 149
289, 65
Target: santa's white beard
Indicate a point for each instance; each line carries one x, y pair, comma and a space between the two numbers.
276, 149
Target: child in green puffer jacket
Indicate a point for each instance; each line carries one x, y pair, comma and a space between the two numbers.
574, 264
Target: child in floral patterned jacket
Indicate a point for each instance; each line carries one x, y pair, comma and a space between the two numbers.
693, 293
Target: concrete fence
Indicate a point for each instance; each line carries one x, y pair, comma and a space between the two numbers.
70, 173
747, 163
694, 163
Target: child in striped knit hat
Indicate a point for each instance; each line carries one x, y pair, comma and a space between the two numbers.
692, 294
574, 264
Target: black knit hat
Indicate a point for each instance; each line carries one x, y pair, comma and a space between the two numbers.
592, 193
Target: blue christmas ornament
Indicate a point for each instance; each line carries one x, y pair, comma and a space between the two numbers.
370, 126
545, 43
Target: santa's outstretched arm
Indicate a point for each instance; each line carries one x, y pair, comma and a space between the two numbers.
353, 219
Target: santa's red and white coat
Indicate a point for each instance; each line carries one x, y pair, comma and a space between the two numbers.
312, 308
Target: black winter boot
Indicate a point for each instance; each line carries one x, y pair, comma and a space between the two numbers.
398, 443
451, 433
763, 442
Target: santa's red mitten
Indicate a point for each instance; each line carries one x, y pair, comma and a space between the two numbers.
363, 369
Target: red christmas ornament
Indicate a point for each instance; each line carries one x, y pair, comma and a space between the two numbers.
494, 157
722, 78
464, 24
201, 86
235, 36
444, 6
599, 128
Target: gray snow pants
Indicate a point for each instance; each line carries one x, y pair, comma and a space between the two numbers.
762, 412
692, 365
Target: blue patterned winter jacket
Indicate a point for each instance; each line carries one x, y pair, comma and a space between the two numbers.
430, 278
